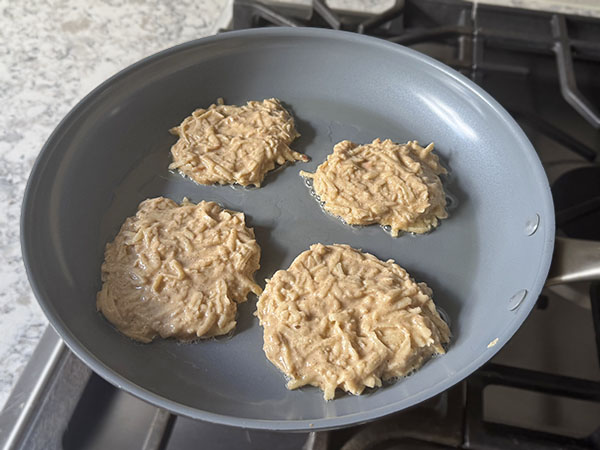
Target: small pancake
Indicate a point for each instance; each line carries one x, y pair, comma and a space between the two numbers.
395, 185
227, 144
341, 318
178, 271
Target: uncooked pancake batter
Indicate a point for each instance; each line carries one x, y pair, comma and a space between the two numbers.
178, 271
395, 185
341, 318
227, 144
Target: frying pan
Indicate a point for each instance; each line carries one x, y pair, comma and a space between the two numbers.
486, 264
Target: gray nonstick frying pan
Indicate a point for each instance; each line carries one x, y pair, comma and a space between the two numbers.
486, 264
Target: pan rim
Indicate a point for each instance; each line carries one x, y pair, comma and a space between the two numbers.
131, 387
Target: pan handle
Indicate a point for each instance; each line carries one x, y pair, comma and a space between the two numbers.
574, 260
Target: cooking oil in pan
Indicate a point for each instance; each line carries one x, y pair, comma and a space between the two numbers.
311, 190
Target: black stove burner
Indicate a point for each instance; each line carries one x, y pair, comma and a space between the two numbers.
577, 203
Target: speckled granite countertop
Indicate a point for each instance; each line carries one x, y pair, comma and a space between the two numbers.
52, 54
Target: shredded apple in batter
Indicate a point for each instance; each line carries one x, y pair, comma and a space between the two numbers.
395, 185
340, 318
227, 144
178, 271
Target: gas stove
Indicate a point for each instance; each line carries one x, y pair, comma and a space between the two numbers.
541, 391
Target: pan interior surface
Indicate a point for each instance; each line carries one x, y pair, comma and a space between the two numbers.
112, 152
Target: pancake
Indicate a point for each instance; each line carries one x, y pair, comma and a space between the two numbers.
178, 271
394, 185
341, 318
228, 144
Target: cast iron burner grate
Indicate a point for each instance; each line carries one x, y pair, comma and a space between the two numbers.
471, 27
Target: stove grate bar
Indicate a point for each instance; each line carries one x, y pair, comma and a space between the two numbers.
566, 73
595, 300
325, 12
480, 434
247, 13
555, 133
395, 12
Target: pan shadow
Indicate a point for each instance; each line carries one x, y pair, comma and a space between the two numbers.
272, 257
245, 315
455, 195
453, 305
273, 175
448, 304
307, 136
307, 133
449, 307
